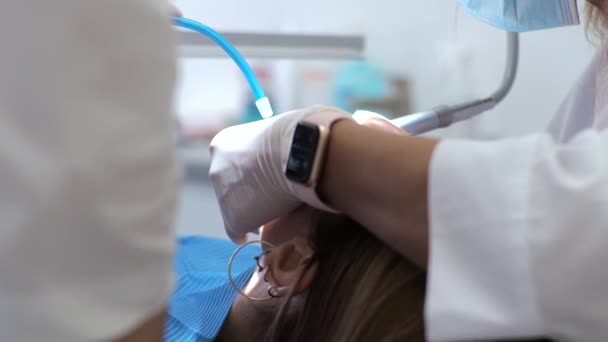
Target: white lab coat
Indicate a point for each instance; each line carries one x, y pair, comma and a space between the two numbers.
519, 228
88, 179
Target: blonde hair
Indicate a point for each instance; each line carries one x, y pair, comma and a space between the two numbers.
363, 292
597, 19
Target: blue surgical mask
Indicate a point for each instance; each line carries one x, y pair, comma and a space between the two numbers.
523, 15
203, 295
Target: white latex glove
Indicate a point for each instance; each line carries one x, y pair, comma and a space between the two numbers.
247, 171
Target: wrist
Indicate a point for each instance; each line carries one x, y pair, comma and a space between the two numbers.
381, 180
307, 154
337, 166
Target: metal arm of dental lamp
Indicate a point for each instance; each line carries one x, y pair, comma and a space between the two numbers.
444, 116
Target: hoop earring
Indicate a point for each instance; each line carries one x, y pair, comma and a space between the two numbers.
273, 291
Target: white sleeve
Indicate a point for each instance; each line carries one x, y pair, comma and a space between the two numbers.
87, 169
519, 239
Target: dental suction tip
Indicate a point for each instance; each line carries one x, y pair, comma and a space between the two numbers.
264, 107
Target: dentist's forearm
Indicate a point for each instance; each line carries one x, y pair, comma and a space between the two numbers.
381, 181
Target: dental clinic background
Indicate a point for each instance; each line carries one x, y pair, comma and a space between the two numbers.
418, 54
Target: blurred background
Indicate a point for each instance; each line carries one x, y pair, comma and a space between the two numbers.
417, 55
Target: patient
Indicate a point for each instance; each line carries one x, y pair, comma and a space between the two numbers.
326, 279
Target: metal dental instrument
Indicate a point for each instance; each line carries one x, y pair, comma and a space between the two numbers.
444, 116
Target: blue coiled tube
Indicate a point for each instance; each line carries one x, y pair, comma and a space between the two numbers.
262, 102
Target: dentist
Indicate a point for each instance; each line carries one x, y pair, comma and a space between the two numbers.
514, 233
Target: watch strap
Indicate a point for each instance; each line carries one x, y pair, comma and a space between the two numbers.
308, 193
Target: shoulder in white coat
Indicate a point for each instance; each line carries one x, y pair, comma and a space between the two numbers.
518, 229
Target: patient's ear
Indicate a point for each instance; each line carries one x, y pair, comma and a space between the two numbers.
290, 261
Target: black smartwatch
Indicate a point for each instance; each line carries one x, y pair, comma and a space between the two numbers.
307, 155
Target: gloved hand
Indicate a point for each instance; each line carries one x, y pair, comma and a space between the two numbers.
247, 171
376, 121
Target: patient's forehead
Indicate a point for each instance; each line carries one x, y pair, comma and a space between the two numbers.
298, 223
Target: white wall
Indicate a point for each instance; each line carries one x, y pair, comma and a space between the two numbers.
417, 39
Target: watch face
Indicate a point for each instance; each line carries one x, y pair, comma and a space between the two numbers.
303, 151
